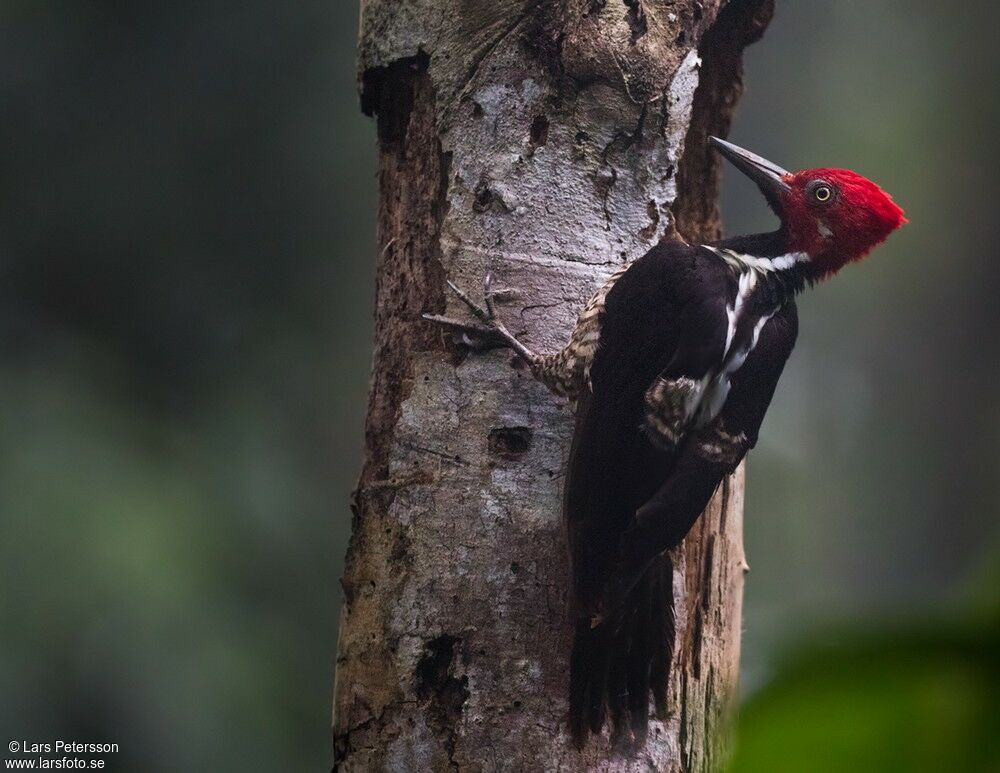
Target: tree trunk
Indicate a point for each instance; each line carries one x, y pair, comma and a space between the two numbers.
543, 140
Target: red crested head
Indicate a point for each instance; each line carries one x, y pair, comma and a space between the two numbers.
835, 216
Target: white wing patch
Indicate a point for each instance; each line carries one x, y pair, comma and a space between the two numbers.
716, 385
673, 407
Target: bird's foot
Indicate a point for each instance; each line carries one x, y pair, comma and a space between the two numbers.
471, 334
492, 330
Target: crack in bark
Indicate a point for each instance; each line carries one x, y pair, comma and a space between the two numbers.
683, 741
726, 483
395, 483
706, 574
444, 455
708, 717
478, 60
607, 175
636, 17
739, 24
653, 211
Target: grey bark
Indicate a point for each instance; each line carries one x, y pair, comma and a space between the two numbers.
550, 142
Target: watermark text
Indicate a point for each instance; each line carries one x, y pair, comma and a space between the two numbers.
57, 755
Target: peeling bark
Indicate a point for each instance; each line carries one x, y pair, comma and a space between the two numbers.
544, 140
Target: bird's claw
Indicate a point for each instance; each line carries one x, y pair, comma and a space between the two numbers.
488, 295
472, 334
485, 315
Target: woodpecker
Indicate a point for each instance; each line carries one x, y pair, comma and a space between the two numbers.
672, 365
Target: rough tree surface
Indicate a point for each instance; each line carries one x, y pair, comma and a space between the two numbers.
544, 140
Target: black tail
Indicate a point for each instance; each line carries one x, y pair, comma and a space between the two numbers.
616, 664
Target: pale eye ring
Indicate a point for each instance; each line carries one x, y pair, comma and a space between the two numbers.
823, 193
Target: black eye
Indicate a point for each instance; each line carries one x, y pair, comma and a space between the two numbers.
823, 193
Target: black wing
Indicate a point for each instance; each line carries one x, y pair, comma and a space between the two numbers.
706, 457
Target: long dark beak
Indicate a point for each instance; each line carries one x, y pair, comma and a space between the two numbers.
769, 177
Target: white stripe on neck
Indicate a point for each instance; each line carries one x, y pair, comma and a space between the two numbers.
753, 263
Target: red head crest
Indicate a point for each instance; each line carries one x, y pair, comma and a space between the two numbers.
835, 216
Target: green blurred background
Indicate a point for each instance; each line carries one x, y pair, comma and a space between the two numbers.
186, 279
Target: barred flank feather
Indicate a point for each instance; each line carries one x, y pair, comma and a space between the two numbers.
567, 372
669, 407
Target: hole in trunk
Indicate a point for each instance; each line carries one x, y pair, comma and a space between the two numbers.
509, 442
539, 130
